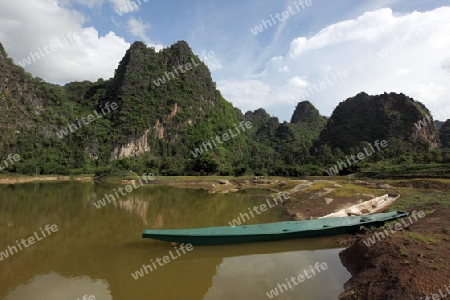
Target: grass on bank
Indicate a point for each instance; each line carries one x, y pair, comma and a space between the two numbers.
418, 238
433, 170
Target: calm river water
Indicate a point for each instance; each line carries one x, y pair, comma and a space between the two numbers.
93, 252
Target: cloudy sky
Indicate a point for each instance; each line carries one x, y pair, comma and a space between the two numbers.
268, 53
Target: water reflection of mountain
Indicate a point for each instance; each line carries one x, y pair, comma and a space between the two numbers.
167, 207
139, 207
54, 286
134, 205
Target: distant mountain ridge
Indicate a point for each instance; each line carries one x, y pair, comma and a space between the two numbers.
157, 125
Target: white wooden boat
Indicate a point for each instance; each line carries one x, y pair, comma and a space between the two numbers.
373, 206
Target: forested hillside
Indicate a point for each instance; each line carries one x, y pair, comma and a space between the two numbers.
157, 117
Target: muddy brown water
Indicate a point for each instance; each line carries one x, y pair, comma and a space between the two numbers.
94, 252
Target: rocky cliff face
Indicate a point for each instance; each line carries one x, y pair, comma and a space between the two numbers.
160, 111
20, 100
160, 100
148, 83
134, 147
428, 133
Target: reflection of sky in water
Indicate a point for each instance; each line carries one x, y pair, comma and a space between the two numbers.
56, 287
250, 277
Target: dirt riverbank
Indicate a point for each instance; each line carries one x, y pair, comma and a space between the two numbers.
5, 179
407, 264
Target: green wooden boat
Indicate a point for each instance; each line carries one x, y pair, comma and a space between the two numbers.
271, 231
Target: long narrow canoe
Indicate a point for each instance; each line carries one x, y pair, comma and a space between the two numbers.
373, 206
271, 231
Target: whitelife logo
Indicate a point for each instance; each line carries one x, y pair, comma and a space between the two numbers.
439, 114
284, 15
187, 67
335, 169
128, 189
11, 157
165, 260
318, 87
297, 280
282, 196
49, 49
86, 120
131, 5
225, 137
406, 40
393, 229
86, 297
439, 296
31, 240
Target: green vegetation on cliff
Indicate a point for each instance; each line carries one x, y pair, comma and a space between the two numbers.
164, 114
361, 120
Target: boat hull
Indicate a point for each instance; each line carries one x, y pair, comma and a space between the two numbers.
373, 206
271, 231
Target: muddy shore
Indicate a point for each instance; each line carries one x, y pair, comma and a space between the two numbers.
5, 179
409, 264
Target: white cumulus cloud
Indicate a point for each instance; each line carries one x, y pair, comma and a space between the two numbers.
138, 29
30, 37
415, 62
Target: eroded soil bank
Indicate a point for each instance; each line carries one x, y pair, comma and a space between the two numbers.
411, 263
408, 264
